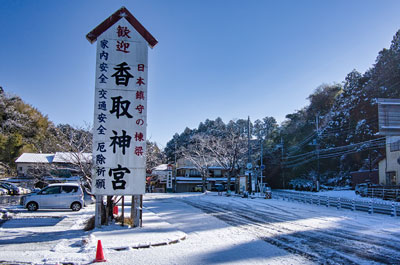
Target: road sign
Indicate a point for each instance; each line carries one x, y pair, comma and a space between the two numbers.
249, 166
262, 167
120, 112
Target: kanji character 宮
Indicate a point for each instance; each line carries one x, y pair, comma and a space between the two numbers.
123, 141
140, 108
104, 54
140, 67
103, 78
123, 32
140, 81
103, 67
100, 184
100, 171
139, 122
139, 95
138, 150
103, 93
102, 105
118, 174
101, 147
122, 46
122, 75
120, 107
100, 159
101, 130
101, 118
103, 44
139, 137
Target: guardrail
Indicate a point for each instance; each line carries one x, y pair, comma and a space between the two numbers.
372, 206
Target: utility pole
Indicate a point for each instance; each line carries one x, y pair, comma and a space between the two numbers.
282, 165
175, 167
317, 148
261, 164
249, 156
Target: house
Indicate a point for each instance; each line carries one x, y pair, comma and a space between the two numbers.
188, 177
28, 162
389, 168
62, 164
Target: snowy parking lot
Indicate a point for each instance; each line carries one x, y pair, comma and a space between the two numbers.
219, 229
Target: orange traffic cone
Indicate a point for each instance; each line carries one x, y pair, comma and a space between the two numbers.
99, 253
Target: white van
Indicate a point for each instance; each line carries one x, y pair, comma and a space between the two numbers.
55, 196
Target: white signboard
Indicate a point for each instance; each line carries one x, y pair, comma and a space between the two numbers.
120, 112
169, 180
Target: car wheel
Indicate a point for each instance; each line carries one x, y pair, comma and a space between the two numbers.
32, 206
76, 206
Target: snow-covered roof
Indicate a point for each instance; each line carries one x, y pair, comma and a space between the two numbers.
161, 167
35, 158
69, 157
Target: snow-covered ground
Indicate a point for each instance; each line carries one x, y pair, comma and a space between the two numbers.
217, 229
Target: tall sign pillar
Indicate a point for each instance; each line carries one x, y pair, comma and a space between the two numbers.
120, 106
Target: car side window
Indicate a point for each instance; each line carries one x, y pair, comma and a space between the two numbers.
69, 189
52, 190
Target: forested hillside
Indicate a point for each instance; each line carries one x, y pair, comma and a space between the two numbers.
24, 129
327, 139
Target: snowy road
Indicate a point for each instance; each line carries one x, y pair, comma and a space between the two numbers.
318, 234
220, 230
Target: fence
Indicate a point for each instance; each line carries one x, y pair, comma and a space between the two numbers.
382, 193
371, 206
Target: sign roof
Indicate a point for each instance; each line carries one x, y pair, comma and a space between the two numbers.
114, 18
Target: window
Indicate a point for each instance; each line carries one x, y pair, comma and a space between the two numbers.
217, 173
395, 146
69, 189
51, 190
391, 178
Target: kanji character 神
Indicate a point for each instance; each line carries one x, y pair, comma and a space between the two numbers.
123, 141
122, 75
120, 107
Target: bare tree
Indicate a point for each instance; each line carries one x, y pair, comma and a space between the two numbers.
198, 153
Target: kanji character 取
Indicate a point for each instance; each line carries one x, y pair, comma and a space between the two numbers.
120, 107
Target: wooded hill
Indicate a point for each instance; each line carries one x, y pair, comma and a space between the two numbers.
337, 128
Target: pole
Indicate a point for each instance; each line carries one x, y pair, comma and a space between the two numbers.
261, 165
317, 147
282, 165
175, 167
123, 211
97, 217
248, 154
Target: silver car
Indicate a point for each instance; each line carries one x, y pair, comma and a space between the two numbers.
55, 196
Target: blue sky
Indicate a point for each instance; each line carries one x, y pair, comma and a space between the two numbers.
215, 58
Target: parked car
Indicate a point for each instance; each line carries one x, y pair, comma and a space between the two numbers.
361, 189
56, 196
12, 189
3, 191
